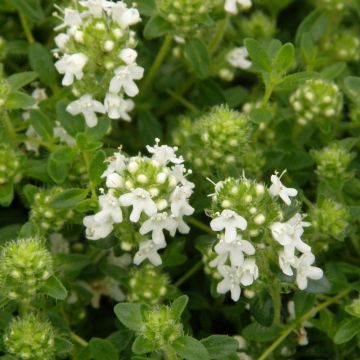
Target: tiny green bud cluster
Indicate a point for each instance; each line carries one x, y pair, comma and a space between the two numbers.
161, 327
186, 16
217, 142
45, 215
318, 101
332, 162
30, 338
147, 285
9, 165
330, 219
4, 90
258, 25
25, 265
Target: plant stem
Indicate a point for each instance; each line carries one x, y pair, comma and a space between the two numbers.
200, 225
275, 292
24, 306
165, 47
182, 101
295, 324
26, 28
268, 92
188, 274
79, 339
85, 156
9, 129
169, 353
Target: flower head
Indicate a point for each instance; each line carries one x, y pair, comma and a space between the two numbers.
72, 67
238, 57
278, 189
230, 282
149, 250
117, 107
124, 79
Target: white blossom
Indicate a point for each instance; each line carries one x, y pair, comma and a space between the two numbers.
62, 135
180, 201
289, 234
286, 261
148, 250
87, 106
72, 67
95, 7
116, 164
124, 16
61, 40
230, 282
128, 56
278, 189
179, 172
110, 209
238, 58
124, 79
249, 272
230, 221
164, 154
141, 201
157, 224
231, 5
182, 226
117, 107
305, 271
96, 230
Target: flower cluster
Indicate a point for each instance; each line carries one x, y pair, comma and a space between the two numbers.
257, 25
25, 265
185, 16
98, 53
147, 285
9, 165
30, 337
45, 215
233, 6
318, 101
151, 193
218, 143
238, 58
243, 209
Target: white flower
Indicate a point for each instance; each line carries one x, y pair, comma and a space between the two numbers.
114, 180
96, 230
289, 234
148, 250
235, 250
117, 107
128, 56
164, 154
238, 58
278, 189
87, 106
231, 5
230, 282
304, 270
179, 172
230, 221
248, 272
180, 201
182, 226
157, 224
126, 17
61, 40
110, 209
116, 164
124, 79
62, 135
72, 67
286, 261
72, 18
95, 7
141, 201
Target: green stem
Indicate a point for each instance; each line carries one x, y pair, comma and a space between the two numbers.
27, 31
188, 274
275, 292
85, 156
182, 101
165, 47
9, 128
268, 92
24, 307
295, 324
79, 339
200, 225
169, 353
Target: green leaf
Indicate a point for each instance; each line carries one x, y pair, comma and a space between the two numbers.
97, 167
156, 27
85, 143
347, 331
149, 127
291, 82
179, 305
71, 263
121, 338
19, 100
352, 88
62, 345
28, 230
190, 349
333, 71
57, 170
257, 332
315, 24
31, 9
98, 131
142, 345
6, 194
19, 80
303, 303
69, 198
130, 315
54, 288
198, 57
220, 346
261, 307
102, 349
30, 191
285, 58
41, 61
72, 124
64, 154
211, 93
42, 124
146, 7
260, 59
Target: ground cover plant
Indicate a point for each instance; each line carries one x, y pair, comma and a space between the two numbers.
179, 179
